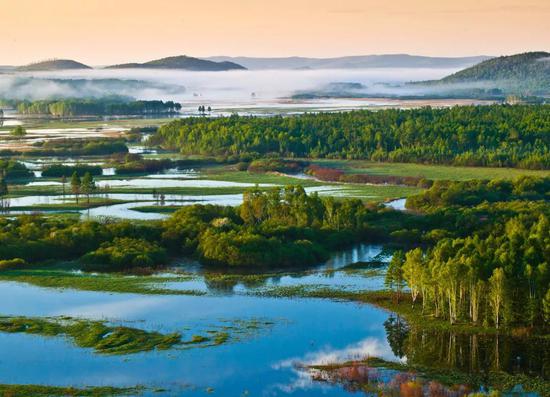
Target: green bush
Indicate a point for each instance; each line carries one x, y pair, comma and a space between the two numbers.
12, 263
125, 253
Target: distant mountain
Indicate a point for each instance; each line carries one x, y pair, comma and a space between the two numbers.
353, 62
182, 62
527, 66
526, 74
51, 65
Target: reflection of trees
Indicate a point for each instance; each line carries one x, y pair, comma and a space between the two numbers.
358, 376
226, 283
217, 285
475, 353
396, 333
4, 202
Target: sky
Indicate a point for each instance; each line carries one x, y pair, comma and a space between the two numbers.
100, 32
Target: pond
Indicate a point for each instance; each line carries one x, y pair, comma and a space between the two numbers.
270, 361
260, 365
127, 210
333, 273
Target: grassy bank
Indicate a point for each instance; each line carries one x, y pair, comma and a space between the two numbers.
55, 391
109, 339
384, 299
102, 338
428, 171
70, 205
148, 285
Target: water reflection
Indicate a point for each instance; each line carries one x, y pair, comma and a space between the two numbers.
479, 353
472, 354
332, 273
301, 329
398, 204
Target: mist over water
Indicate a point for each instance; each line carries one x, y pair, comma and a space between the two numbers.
217, 88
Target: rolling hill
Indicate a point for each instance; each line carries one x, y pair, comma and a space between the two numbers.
526, 66
182, 62
525, 75
52, 65
353, 62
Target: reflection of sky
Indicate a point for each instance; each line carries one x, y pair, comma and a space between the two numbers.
368, 347
143, 199
325, 274
301, 330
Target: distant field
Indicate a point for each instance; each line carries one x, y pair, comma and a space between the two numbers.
61, 123
428, 171
377, 193
221, 174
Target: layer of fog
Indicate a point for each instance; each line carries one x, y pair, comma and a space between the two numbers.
216, 88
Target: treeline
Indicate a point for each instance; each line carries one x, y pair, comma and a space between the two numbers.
335, 175
135, 164
497, 135
283, 227
79, 147
95, 107
474, 192
495, 272
11, 169
132, 163
60, 170
72, 147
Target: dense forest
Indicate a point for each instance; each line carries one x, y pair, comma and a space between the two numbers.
11, 169
95, 107
61, 170
79, 147
496, 272
471, 251
282, 227
497, 135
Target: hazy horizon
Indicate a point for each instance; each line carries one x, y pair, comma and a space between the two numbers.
101, 32
215, 56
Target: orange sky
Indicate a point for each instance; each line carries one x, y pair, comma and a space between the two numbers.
111, 31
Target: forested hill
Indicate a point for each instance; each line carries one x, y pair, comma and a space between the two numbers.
497, 135
54, 64
530, 65
182, 62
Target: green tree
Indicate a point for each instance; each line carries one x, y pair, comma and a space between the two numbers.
18, 131
497, 291
413, 269
88, 186
63, 183
394, 280
76, 184
546, 307
3, 192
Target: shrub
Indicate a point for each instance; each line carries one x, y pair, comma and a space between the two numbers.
59, 170
12, 263
124, 253
276, 165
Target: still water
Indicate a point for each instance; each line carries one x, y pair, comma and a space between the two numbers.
268, 363
261, 365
